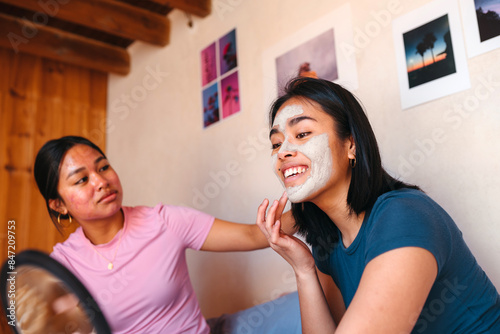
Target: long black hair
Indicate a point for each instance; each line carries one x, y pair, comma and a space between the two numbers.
369, 180
47, 168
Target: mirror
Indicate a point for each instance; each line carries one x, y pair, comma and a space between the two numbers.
39, 295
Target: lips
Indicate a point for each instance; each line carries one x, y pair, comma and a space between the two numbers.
294, 171
108, 197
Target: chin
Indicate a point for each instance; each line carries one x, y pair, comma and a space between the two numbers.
293, 197
302, 193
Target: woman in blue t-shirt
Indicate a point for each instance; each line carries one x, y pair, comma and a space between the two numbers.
395, 260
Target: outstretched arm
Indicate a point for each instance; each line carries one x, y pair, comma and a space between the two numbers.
225, 236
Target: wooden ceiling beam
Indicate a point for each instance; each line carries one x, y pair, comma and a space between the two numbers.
22, 35
201, 8
113, 17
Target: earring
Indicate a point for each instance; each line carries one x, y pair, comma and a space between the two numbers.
352, 162
59, 220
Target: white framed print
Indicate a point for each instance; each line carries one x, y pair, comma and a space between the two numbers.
481, 25
317, 50
430, 53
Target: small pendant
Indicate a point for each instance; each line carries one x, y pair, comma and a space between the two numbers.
110, 266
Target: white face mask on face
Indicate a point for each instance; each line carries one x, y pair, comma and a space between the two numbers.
316, 149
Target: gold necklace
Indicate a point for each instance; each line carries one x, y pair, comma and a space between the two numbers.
110, 263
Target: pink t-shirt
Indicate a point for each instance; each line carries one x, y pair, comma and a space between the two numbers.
148, 290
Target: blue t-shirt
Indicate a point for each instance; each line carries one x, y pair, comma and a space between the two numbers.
462, 299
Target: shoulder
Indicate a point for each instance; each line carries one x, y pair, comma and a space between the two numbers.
140, 211
73, 240
62, 251
408, 207
409, 218
404, 199
181, 214
162, 211
171, 217
140, 215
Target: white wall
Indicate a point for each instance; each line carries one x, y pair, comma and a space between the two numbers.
157, 143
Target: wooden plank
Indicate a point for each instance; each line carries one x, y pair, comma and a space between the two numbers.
113, 17
42, 232
52, 79
7, 61
99, 89
32, 112
24, 92
5, 121
201, 8
19, 160
97, 130
24, 84
24, 88
43, 41
76, 88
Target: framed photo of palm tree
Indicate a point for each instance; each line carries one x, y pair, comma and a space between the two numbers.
481, 25
430, 53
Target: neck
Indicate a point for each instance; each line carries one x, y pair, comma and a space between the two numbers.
103, 231
347, 221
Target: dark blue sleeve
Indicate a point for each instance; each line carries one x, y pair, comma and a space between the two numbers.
409, 220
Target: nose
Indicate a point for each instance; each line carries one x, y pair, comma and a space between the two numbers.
287, 150
283, 155
99, 181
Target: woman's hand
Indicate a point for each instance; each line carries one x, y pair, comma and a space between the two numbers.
315, 313
293, 250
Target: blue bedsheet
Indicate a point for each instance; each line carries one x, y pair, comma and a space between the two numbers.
278, 316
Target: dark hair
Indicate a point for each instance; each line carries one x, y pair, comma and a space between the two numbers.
369, 180
47, 167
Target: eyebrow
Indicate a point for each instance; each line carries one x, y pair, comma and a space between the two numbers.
292, 122
296, 120
78, 170
273, 131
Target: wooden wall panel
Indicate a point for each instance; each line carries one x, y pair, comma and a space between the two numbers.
40, 100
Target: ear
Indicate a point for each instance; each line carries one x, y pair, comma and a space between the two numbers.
58, 206
351, 150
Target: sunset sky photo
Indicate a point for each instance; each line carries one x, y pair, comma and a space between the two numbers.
486, 5
488, 18
412, 38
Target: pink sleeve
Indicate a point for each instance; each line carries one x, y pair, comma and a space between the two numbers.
192, 226
56, 255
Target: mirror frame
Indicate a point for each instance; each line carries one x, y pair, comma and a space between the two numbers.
43, 261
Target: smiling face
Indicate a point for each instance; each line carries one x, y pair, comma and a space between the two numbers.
88, 186
307, 155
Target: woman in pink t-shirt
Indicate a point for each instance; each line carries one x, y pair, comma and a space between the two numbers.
131, 259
